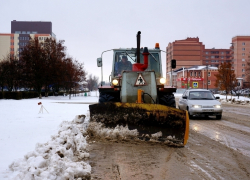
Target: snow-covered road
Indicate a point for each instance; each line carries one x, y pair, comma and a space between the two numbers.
216, 149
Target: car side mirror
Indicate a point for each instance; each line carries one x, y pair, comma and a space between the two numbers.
217, 97
99, 62
184, 97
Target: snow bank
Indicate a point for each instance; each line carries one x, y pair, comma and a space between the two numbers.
235, 101
63, 157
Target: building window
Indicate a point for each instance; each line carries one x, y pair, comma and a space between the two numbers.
28, 32
243, 54
23, 32
209, 82
199, 73
209, 74
206, 57
222, 57
243, 44
191, 73
243, 49
243, 59
228, 52
212, 57
206, 52
206, 61
222, 52
222, 61
243, 70
243, 75
34, 32
195, 74
243, 65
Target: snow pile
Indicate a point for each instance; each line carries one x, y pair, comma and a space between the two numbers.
60, 158
235, 101
98, 130
156, 135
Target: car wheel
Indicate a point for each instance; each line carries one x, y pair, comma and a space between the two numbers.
218, 117
190, 116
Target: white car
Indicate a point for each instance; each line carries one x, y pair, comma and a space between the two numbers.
200, 102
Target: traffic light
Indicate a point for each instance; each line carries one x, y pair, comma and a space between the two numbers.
173, 63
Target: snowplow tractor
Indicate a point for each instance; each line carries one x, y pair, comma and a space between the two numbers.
137, 97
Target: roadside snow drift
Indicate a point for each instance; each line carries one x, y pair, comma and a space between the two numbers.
63, 157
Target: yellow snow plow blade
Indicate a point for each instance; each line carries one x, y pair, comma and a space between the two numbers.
146, 118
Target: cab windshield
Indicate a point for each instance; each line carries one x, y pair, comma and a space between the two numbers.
127, 58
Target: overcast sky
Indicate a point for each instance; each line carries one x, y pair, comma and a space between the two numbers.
91, 27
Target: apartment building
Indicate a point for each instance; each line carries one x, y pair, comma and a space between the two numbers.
214, 57
21, 32
187, 52
191, 52
240, 55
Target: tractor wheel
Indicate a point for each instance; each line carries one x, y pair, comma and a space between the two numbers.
104, 97
168, 100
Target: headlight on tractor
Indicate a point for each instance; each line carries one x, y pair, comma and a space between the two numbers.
217, 106
196, 106
115, 82
162, 80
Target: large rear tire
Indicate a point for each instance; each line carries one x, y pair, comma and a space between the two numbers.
104, 97
168, 100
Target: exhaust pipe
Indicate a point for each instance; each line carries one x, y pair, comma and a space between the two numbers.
138, 37
138, 66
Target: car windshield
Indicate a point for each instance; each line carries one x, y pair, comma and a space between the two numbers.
201, 95
153, 62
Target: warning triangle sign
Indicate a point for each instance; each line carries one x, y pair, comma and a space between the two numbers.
140, 81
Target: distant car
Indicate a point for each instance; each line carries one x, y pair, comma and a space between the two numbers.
200, 102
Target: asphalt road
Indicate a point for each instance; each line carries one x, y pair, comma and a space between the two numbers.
216, 149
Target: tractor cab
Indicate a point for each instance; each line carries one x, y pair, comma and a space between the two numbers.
123, 59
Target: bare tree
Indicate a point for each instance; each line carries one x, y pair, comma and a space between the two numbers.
73, 74
34, 65
3, 73
226, 79
92, 82
10, 72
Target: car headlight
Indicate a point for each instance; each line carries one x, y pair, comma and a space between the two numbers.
196, 106
217, 106
115, 82
162, 80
